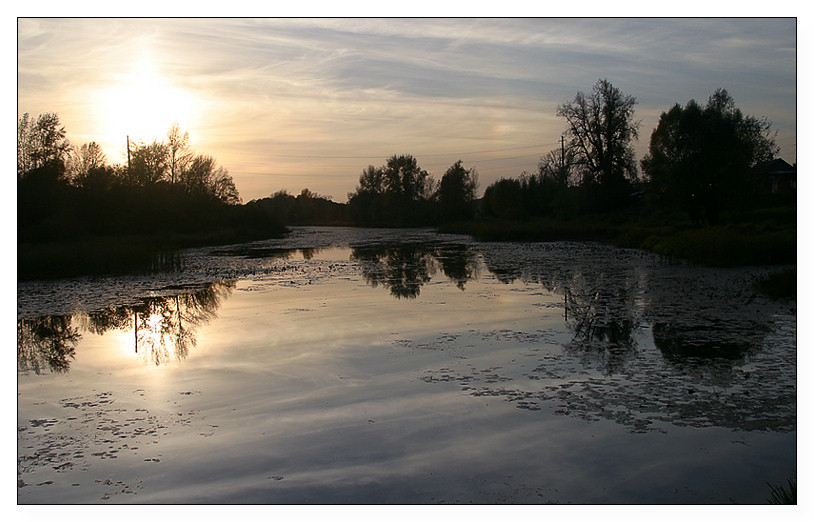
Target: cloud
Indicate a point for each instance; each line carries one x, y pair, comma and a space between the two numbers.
326, 95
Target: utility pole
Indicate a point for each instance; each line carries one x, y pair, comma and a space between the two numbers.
562, 145
128, 154
563, 176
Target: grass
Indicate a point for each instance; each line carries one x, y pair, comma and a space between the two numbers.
729, 245
763, 237
783, 494
114, 255
536, 230
779, 285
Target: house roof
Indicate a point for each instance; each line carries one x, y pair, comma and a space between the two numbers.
776, 166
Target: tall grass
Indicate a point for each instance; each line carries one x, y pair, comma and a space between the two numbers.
536, 230
728, 246
779, 285
783, 494
93, 257
737, 244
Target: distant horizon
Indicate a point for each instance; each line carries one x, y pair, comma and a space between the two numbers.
288, 104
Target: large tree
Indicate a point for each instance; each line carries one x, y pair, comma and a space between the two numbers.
84, 159
148, 163
700, 158
600, 132
204, 176
40, 142
404, 179
457, 191
397, 193
178, 152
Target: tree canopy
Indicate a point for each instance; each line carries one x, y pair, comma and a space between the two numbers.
601, 130
700, 157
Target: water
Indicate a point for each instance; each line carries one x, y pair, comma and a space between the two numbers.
380, 366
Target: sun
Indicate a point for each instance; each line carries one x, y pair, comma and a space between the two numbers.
142, 103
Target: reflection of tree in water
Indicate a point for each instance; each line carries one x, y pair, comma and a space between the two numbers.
401, 268
458, 262
406, 267
46, 343
599, 297
254, 251
601, 313
718, 328
163, 328
722, 356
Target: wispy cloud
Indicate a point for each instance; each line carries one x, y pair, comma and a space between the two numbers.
293, 103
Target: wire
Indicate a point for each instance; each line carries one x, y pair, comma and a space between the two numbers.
423, 155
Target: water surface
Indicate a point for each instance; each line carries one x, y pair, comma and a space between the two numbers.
380, 366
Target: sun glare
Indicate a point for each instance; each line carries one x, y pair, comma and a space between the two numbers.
142, 104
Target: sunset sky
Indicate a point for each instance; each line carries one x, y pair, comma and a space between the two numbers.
294, 103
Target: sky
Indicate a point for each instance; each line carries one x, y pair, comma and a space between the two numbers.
293, 103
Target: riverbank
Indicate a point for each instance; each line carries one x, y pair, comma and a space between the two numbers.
764, 237
116, 255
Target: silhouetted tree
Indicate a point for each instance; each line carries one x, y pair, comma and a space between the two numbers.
457, 192
204, 176
556, 184
700, 157
600, 131
398, 193
504, 199
81, 161
371, 180
148, 164
558, 166
40, 143
178, 151
404, 179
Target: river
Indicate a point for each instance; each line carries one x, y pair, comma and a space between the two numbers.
364, 366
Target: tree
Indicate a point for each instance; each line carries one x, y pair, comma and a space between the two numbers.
600, 131
404, 179
89, 157
504, 199
204, 176
457, 192
224, 189
40, 142
397, 193
148, 164
371, 180
700, 157
557, 166
179, 154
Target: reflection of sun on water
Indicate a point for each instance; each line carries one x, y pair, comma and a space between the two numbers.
142, 103
153, 338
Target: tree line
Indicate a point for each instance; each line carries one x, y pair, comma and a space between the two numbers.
703, 160
67, 193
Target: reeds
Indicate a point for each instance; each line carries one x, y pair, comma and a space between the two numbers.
783, 494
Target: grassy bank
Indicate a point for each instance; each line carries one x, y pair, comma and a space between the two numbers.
765, 237
116, 255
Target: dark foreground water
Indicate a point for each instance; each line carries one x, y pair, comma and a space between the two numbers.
376, 366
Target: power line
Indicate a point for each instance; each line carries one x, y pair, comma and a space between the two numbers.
306, 156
